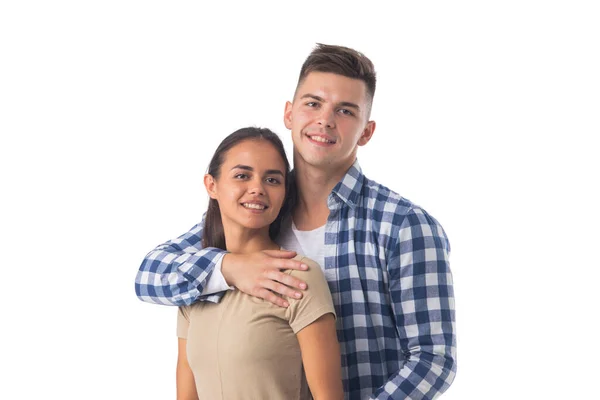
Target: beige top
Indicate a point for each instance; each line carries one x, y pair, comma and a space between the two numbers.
246, 348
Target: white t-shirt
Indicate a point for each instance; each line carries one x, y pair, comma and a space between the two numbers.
306, 243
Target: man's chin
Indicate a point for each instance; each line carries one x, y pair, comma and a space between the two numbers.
316, 161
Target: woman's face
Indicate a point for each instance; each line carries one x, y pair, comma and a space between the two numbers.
251, 187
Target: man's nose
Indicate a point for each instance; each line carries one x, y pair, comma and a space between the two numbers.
326, 118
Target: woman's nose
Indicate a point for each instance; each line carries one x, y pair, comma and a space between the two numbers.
256, 187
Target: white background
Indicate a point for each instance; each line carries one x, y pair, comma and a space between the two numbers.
487, 116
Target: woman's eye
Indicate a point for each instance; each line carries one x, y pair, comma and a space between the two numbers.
273, 181
241, 176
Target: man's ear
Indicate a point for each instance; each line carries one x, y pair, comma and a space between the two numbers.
367, 133
287, 115
211, 186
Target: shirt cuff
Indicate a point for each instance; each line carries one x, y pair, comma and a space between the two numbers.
216, 281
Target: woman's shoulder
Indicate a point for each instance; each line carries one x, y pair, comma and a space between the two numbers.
316, 298
314, 273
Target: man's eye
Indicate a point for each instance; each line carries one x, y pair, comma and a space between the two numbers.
312, 104
241, 176
346, 112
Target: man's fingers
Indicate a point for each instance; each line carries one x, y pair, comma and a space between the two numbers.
282, 289
287, 280
282, 259
265, 279
280, 253
272, 298
281, 263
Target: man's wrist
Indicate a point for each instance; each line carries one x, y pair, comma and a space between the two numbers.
216, 282
225, 269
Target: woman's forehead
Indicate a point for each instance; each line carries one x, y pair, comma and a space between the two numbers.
258, 153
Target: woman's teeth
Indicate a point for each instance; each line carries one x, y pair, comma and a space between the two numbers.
254, 206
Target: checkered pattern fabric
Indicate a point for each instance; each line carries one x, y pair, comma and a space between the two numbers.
386, 261
175, 272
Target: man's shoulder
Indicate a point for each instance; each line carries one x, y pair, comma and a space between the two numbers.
379, 197
386, 206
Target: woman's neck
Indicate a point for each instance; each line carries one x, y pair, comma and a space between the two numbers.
244, 240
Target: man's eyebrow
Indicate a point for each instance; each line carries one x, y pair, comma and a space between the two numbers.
249, 168
312, 96
348, 104
341, 104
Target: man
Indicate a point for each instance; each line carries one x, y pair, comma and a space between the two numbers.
385, 259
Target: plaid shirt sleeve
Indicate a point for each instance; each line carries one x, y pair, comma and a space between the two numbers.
175, 272
423, 303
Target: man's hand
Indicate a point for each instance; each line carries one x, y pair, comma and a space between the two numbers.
259, 274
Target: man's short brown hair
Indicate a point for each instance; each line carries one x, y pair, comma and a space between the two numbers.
341, 61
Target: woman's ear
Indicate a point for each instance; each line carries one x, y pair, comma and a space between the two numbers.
211, 186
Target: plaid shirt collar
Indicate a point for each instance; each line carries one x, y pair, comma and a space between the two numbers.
348, 189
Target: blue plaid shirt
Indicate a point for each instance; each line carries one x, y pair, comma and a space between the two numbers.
386, 261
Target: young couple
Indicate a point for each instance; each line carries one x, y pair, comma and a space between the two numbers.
377, 264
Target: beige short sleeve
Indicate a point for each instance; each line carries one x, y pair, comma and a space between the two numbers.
316, 300
183, 322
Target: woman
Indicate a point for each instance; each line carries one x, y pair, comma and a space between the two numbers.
245, 347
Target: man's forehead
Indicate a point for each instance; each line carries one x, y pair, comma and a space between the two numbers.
327, 84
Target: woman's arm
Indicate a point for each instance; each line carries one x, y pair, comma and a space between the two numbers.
321, 358
186, 386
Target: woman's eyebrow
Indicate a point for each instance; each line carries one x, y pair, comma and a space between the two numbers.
246, 167
249, 168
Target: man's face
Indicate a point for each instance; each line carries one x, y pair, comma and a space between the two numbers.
328, 120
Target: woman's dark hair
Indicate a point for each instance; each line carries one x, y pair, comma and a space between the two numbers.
213, 233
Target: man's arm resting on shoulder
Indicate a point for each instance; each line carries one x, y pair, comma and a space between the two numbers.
179, 272
423, 303
176, 272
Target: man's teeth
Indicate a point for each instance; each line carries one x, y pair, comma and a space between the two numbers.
320, 139
254, 206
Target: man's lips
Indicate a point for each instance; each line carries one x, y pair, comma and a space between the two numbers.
321, 138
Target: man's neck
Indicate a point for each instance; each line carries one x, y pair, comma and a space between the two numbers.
314, 186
